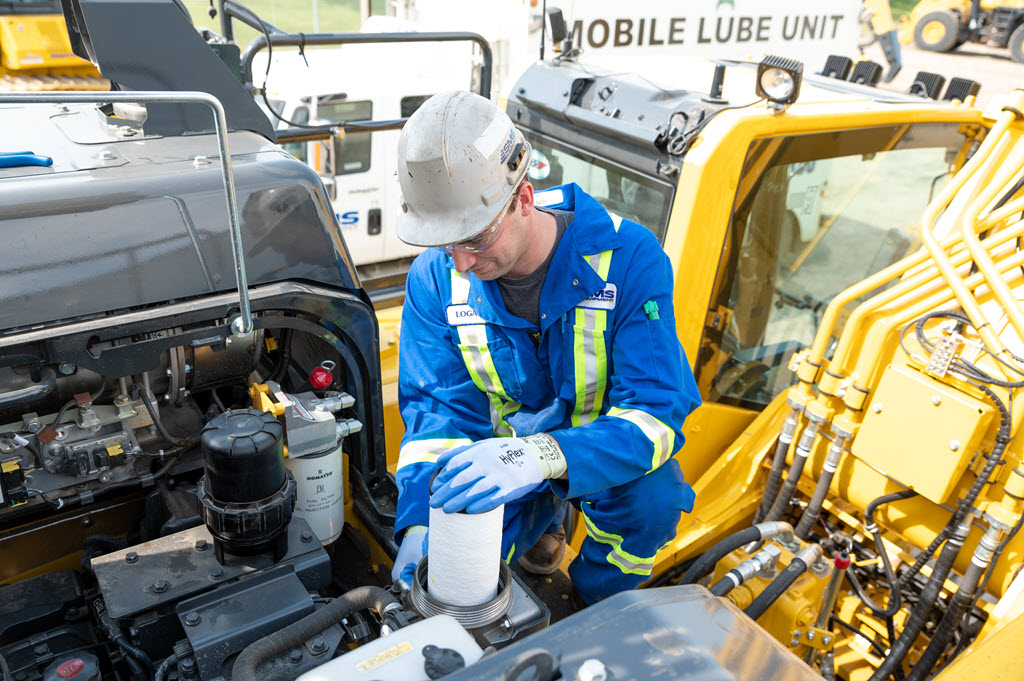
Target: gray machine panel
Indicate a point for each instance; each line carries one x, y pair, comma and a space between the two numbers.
680, 632
128, 223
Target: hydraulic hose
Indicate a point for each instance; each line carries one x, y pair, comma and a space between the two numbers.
919, 615
895, 601
764, 558
295, 634
165, 666
771, 486
959, 604
803, 450
828, 471
706, 563
778, 586
136, 658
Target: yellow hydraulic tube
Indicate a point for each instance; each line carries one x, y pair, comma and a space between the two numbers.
995, 187
879, 334
963, 294
915, 284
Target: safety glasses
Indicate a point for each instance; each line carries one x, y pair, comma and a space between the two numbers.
482, 241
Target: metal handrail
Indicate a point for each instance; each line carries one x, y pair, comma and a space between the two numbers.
241, 325
314, 39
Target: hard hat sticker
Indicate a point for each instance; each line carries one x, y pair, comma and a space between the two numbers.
540, 167
494, 135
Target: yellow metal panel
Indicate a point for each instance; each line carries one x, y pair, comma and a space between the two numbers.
999, 657
921, 432
38, 41
389, 321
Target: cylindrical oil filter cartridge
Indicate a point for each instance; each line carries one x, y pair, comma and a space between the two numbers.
465, 554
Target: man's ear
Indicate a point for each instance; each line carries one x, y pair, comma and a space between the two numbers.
525, 198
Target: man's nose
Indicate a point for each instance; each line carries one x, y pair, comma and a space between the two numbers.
463, 259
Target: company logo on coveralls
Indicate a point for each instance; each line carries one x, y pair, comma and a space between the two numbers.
603, 299
716, 28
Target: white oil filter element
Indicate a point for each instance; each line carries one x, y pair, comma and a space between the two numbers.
464, 552
319, 492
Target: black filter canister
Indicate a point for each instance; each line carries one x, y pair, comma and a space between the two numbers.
247, 495
243, 454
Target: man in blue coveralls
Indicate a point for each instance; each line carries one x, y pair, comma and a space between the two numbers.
539, 362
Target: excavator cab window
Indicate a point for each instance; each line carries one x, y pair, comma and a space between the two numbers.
626, 193
813, 215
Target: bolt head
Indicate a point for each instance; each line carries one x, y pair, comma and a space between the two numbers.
217, 573
954, 445
202, 545
318, 644
160, 586
592, 670
192, 618
877, 407
306, 536
295, 656
936, 400
188, 664
810, 635
67, 368
826, 639
131, 557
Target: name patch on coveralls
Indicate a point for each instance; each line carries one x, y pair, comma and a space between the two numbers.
462, 314
603, 299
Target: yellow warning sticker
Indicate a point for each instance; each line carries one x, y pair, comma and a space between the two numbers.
386, 656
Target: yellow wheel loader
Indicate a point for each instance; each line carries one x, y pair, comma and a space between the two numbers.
944, 25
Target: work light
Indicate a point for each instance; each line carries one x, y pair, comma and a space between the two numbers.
778, 80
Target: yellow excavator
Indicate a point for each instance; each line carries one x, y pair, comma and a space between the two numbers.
35, 51
944, 25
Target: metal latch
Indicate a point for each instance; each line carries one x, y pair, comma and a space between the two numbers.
719, 318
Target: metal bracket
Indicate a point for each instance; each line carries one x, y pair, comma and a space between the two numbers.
819, 639
719, 318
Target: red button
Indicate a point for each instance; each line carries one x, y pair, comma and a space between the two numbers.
70, 668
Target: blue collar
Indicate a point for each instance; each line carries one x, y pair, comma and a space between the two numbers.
590, 232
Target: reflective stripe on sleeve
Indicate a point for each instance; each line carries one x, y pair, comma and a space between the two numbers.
427, 451
660, 435
619, 557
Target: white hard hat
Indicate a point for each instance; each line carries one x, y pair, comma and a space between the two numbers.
459, 161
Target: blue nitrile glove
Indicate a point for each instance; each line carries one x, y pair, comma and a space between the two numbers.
414, 547
489, 473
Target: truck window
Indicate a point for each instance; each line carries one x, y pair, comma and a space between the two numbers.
633, 196
409, 104
813, 215
351, 152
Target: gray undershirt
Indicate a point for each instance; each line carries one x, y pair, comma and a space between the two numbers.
522, 295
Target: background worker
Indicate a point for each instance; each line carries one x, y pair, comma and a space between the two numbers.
539, 361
